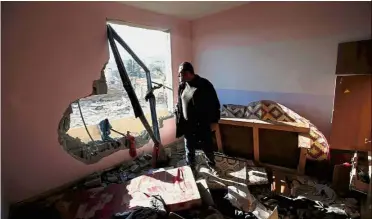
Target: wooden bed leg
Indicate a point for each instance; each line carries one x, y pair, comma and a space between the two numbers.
302, 161
216, 128
256, 145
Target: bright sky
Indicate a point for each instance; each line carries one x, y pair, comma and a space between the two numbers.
144, 42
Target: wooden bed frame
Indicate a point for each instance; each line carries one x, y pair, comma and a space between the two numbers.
303, 130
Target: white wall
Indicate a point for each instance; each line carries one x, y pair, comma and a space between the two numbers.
283, 51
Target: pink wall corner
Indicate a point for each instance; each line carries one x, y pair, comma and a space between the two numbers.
52, 52
284, 51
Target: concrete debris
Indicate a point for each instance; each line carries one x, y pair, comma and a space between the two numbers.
302, 207
213, 214
314, 191
173, 215
177, 187
142, 159
143, 162
147, 156
181, 163
205, 194
168, 151
93, 183
113, 179
135, 168
131, 176
151, 171
244, 191
261, 212
257, 175
241, 198
121, 173
127, 165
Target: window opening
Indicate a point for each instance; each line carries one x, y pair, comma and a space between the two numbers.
98, 125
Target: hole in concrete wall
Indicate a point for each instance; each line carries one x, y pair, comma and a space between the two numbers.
80, 129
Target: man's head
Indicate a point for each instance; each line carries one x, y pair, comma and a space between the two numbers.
186, 72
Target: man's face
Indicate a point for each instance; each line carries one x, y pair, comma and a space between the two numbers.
181, 76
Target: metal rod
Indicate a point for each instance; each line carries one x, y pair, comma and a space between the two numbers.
162, 85
127, 84
154, 117
117, 132
124, 75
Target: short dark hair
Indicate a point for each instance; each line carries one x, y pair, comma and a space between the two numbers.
186, 66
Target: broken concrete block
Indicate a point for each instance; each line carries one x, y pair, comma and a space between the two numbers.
147, 156
173, 215
261, 212
181, 163
241, 198
257, 176
205, 194
151, 171
132, 176
135, 168
143, 163
93, 176
168, 151
112, 179
176, 186
93, 183
123, 176
127, 165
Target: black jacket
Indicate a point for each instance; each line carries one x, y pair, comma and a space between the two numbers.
203, 110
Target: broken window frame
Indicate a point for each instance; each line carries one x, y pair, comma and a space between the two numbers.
138, 112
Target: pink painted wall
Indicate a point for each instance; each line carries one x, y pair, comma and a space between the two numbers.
51, 53
283, 51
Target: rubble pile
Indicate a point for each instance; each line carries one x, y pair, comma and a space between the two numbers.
120, 174
234, 188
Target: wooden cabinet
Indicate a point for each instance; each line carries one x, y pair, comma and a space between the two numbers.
351, 122
354, 58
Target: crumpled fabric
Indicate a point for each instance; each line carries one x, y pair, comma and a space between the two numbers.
157, 211
138, 213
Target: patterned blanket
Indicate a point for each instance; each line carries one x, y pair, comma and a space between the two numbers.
268, 110
229, 171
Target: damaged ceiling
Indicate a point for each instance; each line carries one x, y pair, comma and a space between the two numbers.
185, 10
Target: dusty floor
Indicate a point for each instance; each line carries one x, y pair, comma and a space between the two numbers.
294, 196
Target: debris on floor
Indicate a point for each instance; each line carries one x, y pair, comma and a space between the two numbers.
230, 171
205, 193
241, 198
119, 174
233, 188
176, 186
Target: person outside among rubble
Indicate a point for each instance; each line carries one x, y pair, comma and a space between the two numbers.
198, 108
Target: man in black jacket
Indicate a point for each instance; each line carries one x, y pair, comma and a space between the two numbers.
198, 108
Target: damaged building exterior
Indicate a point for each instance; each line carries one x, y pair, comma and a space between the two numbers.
293, 141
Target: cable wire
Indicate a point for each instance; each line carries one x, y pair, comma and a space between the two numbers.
85, 125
